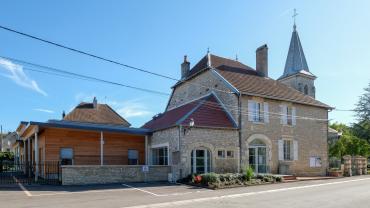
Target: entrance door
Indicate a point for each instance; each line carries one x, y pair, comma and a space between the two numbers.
200, 161
257, 159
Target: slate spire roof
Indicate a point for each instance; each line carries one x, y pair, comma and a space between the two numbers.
296, 60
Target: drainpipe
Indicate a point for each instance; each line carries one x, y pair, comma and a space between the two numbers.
240, 130
101, 148
146, 150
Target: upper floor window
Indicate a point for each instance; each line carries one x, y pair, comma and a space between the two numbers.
258, 111
288, 115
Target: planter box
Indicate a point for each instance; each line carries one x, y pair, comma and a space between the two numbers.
335, 173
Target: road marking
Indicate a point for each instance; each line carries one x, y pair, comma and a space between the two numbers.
231, 196
162, 195
142, 190
22, 187
82, 192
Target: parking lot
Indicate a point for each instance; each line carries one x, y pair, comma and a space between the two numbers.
139, 195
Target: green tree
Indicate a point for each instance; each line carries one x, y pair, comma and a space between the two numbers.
363, 106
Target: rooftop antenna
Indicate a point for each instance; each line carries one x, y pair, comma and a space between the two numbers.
295, 14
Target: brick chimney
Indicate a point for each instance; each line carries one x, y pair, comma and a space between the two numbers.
262, 61
95, 102
185, 68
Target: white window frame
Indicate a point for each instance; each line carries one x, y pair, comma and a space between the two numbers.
223, 153
315, 162
285, 148
232, 153
288, 115
258, 111
160, 146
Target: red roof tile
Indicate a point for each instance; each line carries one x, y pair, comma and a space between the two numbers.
206, 112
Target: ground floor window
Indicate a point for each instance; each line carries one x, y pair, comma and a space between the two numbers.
288, 150
201, 161
315, 162
160, 156
133, 157
66, 156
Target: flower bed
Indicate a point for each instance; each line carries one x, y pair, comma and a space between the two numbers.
229, 180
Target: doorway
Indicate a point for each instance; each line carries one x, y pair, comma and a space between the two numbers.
258, 156
200, 161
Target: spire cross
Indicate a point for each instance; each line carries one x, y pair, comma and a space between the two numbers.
295, 14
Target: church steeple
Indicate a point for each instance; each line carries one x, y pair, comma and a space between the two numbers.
296, 72
296, 60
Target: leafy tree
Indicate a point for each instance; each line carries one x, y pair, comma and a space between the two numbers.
363, 106
349, 144
362, 130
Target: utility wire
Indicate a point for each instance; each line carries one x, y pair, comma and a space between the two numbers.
86, 53
64, 73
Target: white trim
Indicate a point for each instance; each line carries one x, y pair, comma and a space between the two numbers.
224, 107
234, 89
160, 145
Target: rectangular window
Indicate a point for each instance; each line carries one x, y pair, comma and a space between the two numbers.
133, 157
66, 156
230, 154
288, 115
315, 162
221, 153
287, 150
257, 111
160, 156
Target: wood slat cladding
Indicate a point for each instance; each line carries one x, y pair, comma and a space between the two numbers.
86, 146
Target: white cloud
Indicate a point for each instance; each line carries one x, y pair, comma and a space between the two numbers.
16, 73
44, 110
131, 108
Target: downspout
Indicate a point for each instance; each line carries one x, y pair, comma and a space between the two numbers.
240, 130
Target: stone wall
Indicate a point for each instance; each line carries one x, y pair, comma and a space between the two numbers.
183, 142
95, 174
202, 85
311, 136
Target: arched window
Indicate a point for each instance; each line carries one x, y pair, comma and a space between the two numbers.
306, 90
200, 161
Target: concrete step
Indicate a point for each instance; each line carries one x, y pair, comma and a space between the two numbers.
289, 178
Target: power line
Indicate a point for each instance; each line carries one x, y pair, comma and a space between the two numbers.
86, 53
64, 73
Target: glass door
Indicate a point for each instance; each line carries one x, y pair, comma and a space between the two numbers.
201, 161
257, 159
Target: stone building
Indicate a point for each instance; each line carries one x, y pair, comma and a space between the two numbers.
224, 115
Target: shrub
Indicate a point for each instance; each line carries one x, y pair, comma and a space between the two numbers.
249, 173
210, 178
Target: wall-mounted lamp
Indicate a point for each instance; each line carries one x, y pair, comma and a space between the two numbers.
191, 125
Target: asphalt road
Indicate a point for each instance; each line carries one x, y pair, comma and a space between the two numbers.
343, 192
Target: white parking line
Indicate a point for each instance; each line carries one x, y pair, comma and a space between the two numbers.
81, 192
189, 201
162, 195
22, 187
145, 191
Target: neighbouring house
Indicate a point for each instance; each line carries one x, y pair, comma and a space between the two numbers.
8, 141
91, 134
223, 116
333, 136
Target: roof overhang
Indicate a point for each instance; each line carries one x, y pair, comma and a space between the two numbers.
34, 126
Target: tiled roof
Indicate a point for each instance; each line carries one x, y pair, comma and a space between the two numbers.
220, 63
206, 112
247, 81
101, 114
266, 87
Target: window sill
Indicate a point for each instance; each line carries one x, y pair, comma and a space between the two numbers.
258, 122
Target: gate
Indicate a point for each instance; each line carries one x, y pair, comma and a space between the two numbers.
12, 173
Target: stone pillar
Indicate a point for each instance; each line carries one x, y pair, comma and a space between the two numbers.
347, 165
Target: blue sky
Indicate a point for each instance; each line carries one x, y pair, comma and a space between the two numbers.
155, 35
